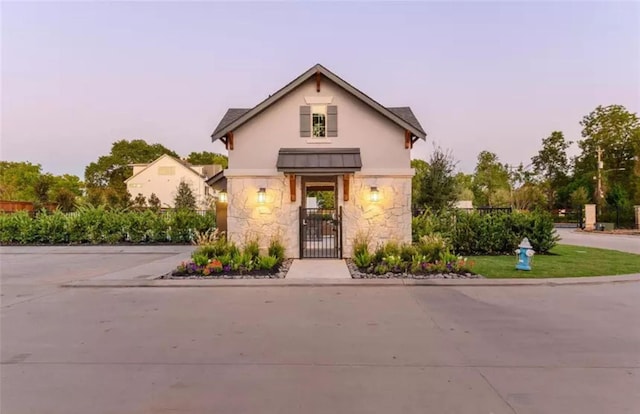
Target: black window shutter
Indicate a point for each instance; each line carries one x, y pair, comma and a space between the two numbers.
305, 121
332, 121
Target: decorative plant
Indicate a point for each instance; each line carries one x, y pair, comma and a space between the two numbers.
362, 259
276, 248
267, 262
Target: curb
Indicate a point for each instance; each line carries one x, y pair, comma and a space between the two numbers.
173, 283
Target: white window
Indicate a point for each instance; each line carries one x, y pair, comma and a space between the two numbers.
319, 121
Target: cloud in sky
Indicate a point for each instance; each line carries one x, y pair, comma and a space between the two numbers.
497, 76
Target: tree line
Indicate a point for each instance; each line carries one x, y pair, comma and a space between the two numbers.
551, 180
104, 179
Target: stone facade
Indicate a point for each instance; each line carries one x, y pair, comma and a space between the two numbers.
381, 221
276, 217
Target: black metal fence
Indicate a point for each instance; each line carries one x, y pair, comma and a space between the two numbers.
484, 210
320, 233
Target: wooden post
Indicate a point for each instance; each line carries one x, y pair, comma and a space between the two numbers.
345, 187
292, 187
230, 141
407, 139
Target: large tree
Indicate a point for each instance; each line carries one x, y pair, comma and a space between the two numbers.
490, 181
551, 165
207, 158
23, 181
111, 170
435, 184
17, 180
464, 186
616, 133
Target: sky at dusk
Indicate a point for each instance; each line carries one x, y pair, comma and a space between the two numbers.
498, 76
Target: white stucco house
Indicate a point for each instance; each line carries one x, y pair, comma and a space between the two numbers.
162, 177
317, 133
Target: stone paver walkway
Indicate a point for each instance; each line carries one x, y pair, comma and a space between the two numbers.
318, 269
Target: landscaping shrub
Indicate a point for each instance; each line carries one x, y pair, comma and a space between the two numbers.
410, 260
475, 233
216, 255
252, 247
267, 262
18, 228
50, 228
360, 244
96, 225
276, 249
431, 246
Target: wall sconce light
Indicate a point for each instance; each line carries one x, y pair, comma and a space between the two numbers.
262, 195
222, 196
374, 195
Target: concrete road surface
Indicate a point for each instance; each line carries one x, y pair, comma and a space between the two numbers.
570, 349
620, 242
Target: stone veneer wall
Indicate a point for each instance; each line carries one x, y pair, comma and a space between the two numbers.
277, 216
385, 220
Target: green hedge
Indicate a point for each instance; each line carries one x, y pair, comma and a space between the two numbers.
97, 225
477, 233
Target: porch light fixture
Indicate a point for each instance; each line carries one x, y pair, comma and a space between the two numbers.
222, 196
262, 195
374, 195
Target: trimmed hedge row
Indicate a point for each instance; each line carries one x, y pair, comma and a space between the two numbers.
476, 233
96, 225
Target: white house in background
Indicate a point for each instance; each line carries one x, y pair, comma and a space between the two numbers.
317, 134
162, 177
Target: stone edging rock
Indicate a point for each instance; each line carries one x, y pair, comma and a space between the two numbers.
357, 274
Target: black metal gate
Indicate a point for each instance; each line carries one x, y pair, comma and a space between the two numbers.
320, 233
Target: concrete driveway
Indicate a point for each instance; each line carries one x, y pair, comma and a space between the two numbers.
624, 243
569, 349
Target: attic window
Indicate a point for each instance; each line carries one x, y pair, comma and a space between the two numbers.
319, 121
166, 170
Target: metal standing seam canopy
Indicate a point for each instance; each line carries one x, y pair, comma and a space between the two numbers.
319, 160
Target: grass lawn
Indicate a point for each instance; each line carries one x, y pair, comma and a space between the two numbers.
563, 261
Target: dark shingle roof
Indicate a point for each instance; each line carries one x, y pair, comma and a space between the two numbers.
407, 115
231, 115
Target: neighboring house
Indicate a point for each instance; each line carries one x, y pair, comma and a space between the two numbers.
318, 133
163, 176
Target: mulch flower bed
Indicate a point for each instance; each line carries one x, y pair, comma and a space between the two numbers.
357, 273
193, 272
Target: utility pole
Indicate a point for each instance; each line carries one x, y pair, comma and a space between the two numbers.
599, 178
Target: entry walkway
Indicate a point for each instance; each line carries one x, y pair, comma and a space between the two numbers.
318, 269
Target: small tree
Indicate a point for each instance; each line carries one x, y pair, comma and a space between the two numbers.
184, 200
140, 202
66, 200
154, 203
579, 197
436, 185
41, 189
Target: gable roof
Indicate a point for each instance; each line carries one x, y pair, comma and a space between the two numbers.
181, 162
235, 117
